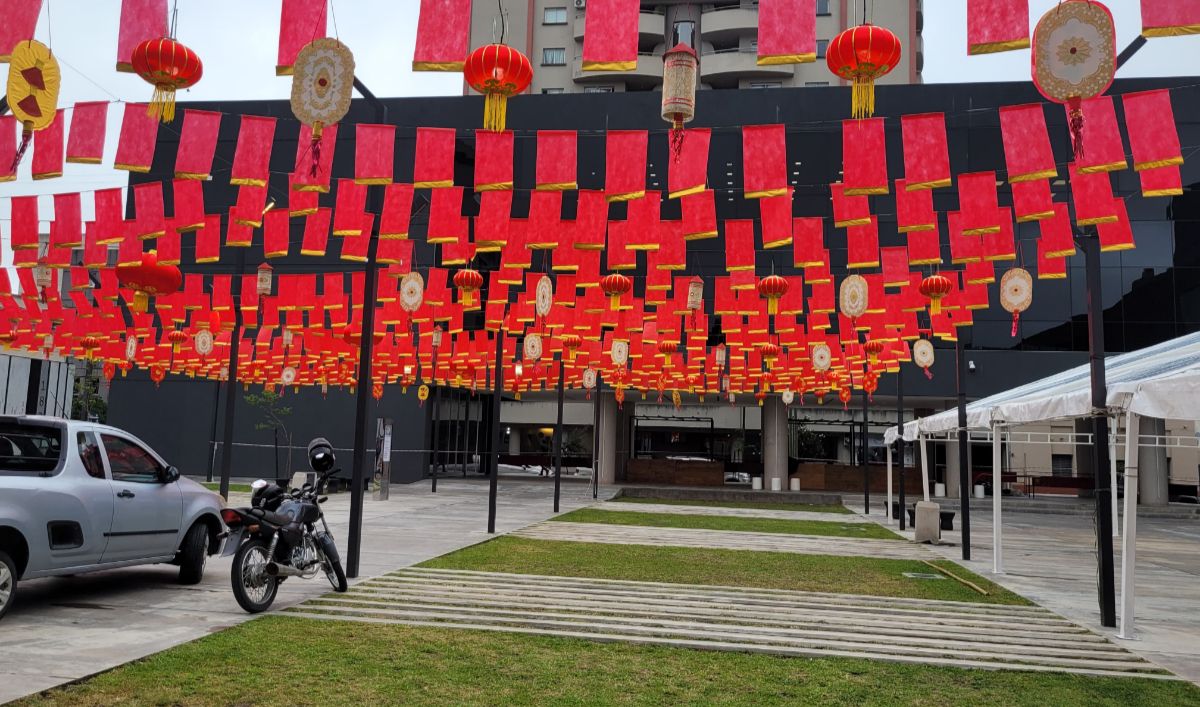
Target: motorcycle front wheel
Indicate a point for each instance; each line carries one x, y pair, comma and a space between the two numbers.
334, 573
253, 588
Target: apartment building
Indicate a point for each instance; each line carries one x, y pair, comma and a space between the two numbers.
725, 34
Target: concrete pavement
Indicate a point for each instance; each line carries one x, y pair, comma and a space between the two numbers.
63, 629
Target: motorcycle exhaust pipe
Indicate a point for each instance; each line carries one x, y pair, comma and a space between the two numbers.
277, 570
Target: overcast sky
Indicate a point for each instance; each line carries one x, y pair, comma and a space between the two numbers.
237, 41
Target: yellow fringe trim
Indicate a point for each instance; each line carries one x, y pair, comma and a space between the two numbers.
1032, 176
921, 186
764, 193
981, 231
779, 243
1176, 31
191, 175
609, 65
864, 264
433, 185
438, 65
1164, 192
55, 175
1061, 253
83, 160
1094, 221
247, 182
1039, 216
373, 181
1110, 167
993, 47
626, 197
498, 186
395, 236
852, 222
686, 192
558, 186
703, 235
777, 59
866, 191
1142, 166
917, 228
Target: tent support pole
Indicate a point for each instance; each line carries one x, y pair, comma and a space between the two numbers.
1112, 474
997, 493
899, 443
887, 510
924, 468
865, 468
1129, 541
964, 472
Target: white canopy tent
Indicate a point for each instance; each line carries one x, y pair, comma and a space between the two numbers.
1161, 381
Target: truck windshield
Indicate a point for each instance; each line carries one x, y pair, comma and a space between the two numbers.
29, 448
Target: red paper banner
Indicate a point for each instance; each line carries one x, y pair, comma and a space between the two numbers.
775, 218
300, 22
85, 144
493, 160
926, 154
611, 41
48, 150
1057, 240
739, 245
444, 35
625, 164
1170, 18
1093, 197
20, 21
1163, 181
349, 206
997, 26
808, 241
1118, 234
316, 233
764, 160
67, 229
1150, 123
978, 206
1102, 150
8, 147
139, 133
963, 248
864, 157
374, 150
1027, 152
446, 222
862, 245
914, 209
109, 212
848, 210
687, 173
787, 32
313, 175
1049, 267
699, 215
187, 197
148, 206
1032, 201
556, 159
248, 211
140, 20
252, 155
433, 163
25, 226
197, 144
208, 240
924, 248
397, 210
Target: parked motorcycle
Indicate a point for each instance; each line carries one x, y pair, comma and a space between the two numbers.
283, 534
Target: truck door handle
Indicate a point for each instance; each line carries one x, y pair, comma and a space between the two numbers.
125, 494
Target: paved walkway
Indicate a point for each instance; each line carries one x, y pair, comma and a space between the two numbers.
1051, 560
731, 512
63, 629
724, 539
736, 619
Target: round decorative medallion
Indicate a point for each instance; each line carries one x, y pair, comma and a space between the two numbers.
853, 296
544, 296
787, 396
1074, 51
620, 353
821, 357
203, 342
322, 82
1016, 290
288, 375
923, 353
131, 347
412, 292
533, 347
589, 378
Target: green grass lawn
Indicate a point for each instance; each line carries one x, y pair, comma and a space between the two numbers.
808, 507
279, 660
757, 525
233, 488
685, 565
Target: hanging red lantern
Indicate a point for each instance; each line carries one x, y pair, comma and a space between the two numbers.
90, 343
844, 395
863, 54
935, 287
772, 287
157, 374
109, 370
168, 65
571, 342
497, 71
148, 278
468, 282
770, 351
614, 286
681, 66
176, 337
874, 347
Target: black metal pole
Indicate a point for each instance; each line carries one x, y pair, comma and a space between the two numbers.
558, 433
964, 476
212, 437
900, 441
1104, 546
464, 427
275, 430
231, 381
596, 439
437, 396
362, 399
494, 451
865, 468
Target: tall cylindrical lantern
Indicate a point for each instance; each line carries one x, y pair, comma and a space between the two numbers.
681, 67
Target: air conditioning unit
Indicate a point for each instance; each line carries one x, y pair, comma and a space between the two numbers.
580, 4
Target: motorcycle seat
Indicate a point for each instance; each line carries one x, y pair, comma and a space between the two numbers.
270, 517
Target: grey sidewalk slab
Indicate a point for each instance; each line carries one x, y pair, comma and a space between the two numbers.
731, 512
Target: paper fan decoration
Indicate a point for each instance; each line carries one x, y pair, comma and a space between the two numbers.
923, 355
544, 296
1074, 57
322, 84
1016, 293
821, 358
852, 296
533, 347
787, 396
620, 352
203, 342
33, 81
412, 292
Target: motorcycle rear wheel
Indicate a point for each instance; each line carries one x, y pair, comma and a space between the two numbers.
253, 588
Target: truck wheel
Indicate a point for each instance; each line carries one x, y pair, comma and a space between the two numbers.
193, 553
8, 583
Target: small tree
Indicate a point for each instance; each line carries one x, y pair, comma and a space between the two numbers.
273, 414
87, 401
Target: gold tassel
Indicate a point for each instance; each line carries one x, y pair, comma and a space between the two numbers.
935, 305
863, 101
162, 103
495, 107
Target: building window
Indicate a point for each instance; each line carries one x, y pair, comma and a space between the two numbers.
766, 84
1062, 465
552, 90
822, 46
554, 56
822, 8
554, 16
684, 32
816, 83
599, 89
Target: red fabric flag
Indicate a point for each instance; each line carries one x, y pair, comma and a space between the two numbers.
48, 150
808, 241
699, 215
1170, 19
687, 173
129, 252
446, 222
169, 245
764, 160
1049, 267
1056, 239
556, 159
924, 248
374, 150
982, 272
491, 226
1027, 152
978, 206
316, 232
625, 164
963, 248
397, 210
849, 210
1093, 197
140, 20
1118, 234
248, 211
545, 219
25, 226
591, 220
926, 153
67, 229
349, 205
139, 133
775, 215
8, 147
300, 22
148, 205
300, 201
739, 245
611, 42
618, 256
20, 21
493, 160
238, 235
443, 35
997, 26
355, 249
895, 265
85, 143
1032, 201
864, 157
862, 245
1101, 139
433, 163
999, 245
252, 155
95, 255
1150, 123
109, 212
208, 240
397, 252
787, 32
1162, 181
914, 209
187, 197
276, 233
197, 144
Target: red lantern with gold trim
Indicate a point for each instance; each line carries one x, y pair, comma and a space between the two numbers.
862, 54
772, 287
571, 342
468, 282
874, 347
497, 71
935, 287
148, 278
169, 65
614, 286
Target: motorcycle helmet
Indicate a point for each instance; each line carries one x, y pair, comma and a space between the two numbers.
320, 455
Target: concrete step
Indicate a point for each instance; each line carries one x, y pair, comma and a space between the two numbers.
722, 539
1082, 507
846, 518
732, 646
685, 493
